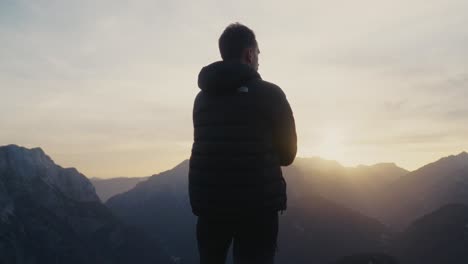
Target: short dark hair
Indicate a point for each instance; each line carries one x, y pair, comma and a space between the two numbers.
235, 38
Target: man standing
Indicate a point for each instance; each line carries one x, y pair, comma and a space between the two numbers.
244, 131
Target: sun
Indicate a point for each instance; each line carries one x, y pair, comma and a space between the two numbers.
331, 145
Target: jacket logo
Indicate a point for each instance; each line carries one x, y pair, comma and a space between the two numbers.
243, 89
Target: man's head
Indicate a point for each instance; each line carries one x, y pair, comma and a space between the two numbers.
238, 43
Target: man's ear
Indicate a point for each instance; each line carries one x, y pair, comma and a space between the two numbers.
250, 55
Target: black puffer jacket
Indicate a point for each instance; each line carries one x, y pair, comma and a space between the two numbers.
244, 131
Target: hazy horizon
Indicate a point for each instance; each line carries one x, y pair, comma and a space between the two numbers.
298, 157
108, 87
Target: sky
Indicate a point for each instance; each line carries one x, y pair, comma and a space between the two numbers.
108, 86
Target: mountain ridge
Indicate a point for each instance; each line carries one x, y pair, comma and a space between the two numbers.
49, 214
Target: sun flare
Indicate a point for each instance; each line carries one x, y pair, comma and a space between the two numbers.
331, 145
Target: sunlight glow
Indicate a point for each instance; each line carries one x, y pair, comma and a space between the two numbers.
331, 144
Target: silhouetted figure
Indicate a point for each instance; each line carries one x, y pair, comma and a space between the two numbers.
244, 131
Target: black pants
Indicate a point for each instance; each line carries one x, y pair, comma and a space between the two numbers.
254, 237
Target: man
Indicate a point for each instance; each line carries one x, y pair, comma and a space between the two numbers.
244, 131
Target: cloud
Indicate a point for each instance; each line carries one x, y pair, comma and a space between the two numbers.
103, 76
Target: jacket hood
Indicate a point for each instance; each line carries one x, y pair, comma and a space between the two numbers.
224, 77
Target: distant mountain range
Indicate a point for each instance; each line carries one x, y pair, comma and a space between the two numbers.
424, 190
359, 188
106, 188
384, 191
379, 214
328, 204
312, 230
50, 214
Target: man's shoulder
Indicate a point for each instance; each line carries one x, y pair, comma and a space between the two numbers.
268, 88
259, 87
264, 84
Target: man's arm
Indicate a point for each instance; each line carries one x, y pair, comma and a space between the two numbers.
284, 128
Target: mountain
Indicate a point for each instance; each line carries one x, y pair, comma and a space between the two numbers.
160, 206
359, 188
312, 230
424, 190
28, 165
438, 237
316, 230
384, 191
53, 214
50, 214
106, 188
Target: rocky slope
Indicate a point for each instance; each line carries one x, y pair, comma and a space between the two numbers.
50, 214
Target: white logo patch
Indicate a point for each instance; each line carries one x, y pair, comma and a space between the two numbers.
243, 89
